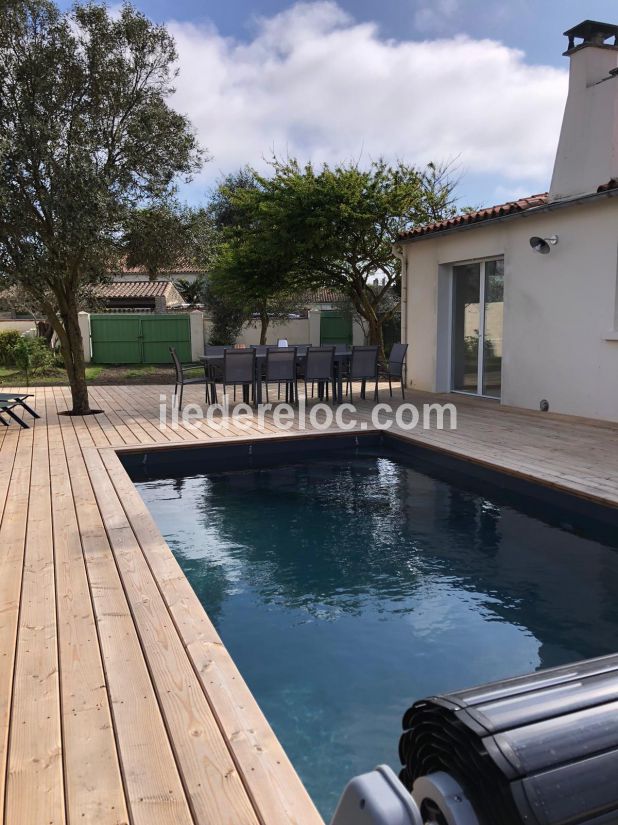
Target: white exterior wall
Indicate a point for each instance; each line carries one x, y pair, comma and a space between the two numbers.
7, 325
560, 339
587, 153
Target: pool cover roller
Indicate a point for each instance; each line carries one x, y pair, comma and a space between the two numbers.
539, 749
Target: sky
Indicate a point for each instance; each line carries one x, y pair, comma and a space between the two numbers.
480, 84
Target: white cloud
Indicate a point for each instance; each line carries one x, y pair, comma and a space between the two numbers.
314, 84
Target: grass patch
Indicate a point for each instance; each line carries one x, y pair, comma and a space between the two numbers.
14, 378
8, 372
138, 370
93, 372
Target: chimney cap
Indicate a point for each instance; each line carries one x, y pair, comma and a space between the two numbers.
593, 33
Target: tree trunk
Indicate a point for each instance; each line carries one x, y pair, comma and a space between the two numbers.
77, 376
72, 348
264, 318
376, 337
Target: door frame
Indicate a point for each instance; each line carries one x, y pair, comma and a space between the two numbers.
481, 347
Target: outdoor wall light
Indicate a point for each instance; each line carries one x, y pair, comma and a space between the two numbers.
543, 245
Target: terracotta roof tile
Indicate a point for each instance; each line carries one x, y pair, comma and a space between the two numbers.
478, 216
324, 296
183, 266
136, 290
606, 187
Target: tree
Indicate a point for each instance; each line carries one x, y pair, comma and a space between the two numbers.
193, 292
252, 270
168, 235
227, 317
336, 227
86, 137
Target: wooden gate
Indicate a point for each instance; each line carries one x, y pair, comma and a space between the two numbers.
139, 339
335, 327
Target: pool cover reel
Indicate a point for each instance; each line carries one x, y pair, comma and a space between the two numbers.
539, 749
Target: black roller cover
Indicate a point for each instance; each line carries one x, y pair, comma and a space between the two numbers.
539, 749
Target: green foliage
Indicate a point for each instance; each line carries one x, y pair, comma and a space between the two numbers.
254, 273
32, 356
8, 340
166, 235
227, 317
303, 227
193, 292
86, 137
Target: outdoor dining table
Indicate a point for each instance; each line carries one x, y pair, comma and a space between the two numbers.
341, 359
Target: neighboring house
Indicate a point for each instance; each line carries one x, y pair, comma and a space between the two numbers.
184, 270
325, 299
485, 313
144, 296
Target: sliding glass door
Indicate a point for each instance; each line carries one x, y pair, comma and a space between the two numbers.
478, 301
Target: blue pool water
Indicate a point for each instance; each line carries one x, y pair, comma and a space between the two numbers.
347, 588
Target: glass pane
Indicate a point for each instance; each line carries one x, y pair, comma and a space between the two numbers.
494, 310
466, 326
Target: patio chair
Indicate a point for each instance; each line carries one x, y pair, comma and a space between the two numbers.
181, 378
394, 368
363, 368
7, 408
281, 369
320, 369
239, 370
19, 398
214, 372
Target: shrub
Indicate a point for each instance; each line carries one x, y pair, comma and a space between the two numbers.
8, 339
32, 355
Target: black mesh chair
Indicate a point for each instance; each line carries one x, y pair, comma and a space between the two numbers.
214, 371
281, 369
394, 368
363, 368
320, 369
239, 370
181, 379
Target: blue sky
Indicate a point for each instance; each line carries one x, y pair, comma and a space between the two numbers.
481, 83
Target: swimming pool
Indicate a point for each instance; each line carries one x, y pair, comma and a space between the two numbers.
348, 583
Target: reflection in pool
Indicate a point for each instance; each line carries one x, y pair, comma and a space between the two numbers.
346, 589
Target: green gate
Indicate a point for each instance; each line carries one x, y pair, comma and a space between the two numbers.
335, 327
139, 339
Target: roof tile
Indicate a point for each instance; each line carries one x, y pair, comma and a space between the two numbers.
478, 216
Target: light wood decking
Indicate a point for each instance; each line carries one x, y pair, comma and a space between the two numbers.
118, 701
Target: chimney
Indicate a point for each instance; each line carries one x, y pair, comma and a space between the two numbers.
587, 153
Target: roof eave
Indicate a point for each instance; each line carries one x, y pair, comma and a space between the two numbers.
524, 213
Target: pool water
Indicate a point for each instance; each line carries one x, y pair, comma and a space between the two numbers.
345, 589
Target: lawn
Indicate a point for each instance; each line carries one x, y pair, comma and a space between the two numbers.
95, 374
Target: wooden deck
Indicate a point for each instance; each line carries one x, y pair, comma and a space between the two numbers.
118, 701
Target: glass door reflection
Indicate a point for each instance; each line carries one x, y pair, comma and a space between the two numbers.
478, 304
466, 326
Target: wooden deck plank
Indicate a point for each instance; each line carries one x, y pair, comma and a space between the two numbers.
213, 785
15, 459
35, 786
93, 782
154, 789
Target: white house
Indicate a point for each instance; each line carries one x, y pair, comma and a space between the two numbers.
519, 302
